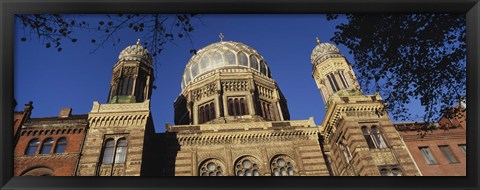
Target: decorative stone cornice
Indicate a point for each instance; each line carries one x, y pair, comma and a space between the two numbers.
103, 108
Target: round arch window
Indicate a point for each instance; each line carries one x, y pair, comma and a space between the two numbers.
247, 166
282, 166
212, 167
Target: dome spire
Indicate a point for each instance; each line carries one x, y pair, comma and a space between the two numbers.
138, 42
318, 40
221, 36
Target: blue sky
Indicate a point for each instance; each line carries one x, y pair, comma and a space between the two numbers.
76, 77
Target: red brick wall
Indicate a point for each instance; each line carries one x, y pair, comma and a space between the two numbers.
451, 137
62, 164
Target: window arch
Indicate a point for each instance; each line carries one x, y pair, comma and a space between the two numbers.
253, 62
384, 172
366, 134
194, 69
217, 59
396, 172
108, 150
377, 136
46, 146
247, 166
230, 58
211, 167
263, 68
205, 63
242, 59
282, 166
121, 151
32, 147
61, 145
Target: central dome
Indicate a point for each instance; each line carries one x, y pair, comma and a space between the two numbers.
224, 54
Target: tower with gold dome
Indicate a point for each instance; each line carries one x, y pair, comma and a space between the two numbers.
358, 136
231, 119
121, 130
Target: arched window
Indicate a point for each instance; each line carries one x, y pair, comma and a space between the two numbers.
343, 78
230, 58
218, 60
46, 146
212, 111
263, 68
108, 150
247, 166
243, 107
396, 172
242, 59
130, 86
384, 172
61, 145
121, 151
194, 70
282, 166
201, 115
206, 112
253, 62
32, 147
378, 137
230, 107
333, 82
187, 77
236, 106
205, 63
212, 167
367, 136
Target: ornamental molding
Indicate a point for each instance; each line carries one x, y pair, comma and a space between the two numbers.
246, 138
339, 111
118, 120
105, 108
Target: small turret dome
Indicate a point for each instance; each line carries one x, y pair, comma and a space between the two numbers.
136, 52
323, 51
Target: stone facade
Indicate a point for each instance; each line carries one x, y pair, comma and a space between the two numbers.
231, 119
358, 136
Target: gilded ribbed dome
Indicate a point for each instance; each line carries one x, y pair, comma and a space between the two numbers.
323, 51
224, 54
136, 52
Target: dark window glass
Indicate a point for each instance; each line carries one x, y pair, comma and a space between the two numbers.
207, 112
201, 115
378, 137
427, 155
32, 147
243, 107
121, 151
108, 150
448, 154
47, 146
230, 107
366, 134
242, 59
212, 111
383, 172
61, 145
230, 58
236, 107
253, 62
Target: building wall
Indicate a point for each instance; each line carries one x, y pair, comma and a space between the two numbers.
116, 121
259, 141
58, 164
451, 137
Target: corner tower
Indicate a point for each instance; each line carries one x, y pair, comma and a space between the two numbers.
333, 74
132, 76
358, 136
121, 131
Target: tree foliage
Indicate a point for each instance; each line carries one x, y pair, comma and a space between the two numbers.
157, 29
407, 57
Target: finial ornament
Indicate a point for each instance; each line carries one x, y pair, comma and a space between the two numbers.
138, 42
318, 41
221, 37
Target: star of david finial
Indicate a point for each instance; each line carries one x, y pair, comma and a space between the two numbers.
138, 42
318, 40
221, 36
